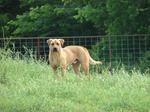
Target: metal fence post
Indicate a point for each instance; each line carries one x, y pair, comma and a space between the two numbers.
38, 47
110, 56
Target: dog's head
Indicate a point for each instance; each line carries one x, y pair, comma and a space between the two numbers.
55, 45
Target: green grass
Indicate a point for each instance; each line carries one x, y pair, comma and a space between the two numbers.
29, 86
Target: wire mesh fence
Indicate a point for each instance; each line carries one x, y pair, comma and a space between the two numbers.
127, 49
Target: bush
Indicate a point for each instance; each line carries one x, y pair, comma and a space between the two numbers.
123, 50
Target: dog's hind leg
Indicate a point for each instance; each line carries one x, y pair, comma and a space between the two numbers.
76, 68
85, 67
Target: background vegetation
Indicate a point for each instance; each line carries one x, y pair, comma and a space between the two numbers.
29, 18
28, 85
68, 17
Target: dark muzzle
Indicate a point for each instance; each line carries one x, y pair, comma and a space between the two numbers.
54, 49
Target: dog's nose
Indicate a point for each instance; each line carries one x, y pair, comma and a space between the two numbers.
54, 49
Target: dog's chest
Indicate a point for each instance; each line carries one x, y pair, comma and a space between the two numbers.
55, 59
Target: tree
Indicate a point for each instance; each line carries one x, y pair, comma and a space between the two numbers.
114, 17
80, 17
48, 18
8, 10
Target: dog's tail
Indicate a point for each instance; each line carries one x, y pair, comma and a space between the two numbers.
92, 61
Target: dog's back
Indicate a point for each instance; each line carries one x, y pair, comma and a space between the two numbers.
74, 49
80, 53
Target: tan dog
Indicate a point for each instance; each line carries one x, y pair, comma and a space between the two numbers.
74, 55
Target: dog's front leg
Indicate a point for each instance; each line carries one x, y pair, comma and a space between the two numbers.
63, 70
55, 71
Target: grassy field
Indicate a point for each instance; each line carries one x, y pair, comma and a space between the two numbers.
29, 86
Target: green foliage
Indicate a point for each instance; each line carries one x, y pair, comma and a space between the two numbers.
115, 17
29, 86
80, 17
47, 18
8, 10
37, 20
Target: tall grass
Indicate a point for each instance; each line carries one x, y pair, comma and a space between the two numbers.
29, 86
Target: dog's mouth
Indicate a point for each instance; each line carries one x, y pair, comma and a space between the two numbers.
55, 50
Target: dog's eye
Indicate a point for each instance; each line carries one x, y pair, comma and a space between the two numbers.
52, 44
57, 43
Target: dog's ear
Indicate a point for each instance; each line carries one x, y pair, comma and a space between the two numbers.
61, 41
49, 41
